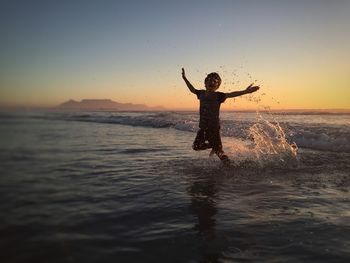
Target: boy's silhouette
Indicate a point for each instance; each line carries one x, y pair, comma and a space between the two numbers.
208, 135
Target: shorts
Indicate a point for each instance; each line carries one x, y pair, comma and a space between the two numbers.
212, 135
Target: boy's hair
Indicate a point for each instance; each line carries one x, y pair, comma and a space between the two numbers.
213, 75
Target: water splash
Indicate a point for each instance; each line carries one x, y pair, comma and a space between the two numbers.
270, 142
265, 145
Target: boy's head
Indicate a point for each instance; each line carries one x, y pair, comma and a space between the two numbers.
212, 81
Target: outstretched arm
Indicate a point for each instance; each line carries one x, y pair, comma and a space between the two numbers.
249, 89
189, 85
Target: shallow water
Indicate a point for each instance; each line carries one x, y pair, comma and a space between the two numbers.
126, 187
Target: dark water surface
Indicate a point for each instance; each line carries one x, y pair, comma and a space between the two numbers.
84, 191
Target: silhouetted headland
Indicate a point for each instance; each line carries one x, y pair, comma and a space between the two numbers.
106, 104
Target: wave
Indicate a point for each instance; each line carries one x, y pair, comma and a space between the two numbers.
322, 138
313, 136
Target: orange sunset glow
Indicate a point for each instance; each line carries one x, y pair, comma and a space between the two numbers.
298, 54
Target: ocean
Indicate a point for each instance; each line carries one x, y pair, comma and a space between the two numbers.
127, 187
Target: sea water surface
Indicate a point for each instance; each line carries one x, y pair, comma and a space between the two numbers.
127, 187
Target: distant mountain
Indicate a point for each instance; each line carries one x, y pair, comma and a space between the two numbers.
104, 104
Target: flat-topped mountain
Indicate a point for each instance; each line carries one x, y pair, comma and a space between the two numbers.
104, 104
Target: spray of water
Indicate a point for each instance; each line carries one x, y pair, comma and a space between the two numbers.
270, 143
266, 145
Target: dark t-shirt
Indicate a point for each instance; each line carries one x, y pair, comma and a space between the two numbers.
209, 109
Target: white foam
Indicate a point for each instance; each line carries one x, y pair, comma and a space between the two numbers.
269, 136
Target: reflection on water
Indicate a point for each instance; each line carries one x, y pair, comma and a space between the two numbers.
203, 205
263, 218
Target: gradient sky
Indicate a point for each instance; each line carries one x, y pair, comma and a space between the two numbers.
133, 51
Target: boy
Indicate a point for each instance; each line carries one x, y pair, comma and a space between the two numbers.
209, 110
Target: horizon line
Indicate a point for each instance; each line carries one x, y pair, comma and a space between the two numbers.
56, 108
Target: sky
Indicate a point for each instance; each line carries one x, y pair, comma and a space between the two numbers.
298, 52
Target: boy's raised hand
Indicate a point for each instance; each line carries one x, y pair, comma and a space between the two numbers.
251, 88
189, 85
183, 73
